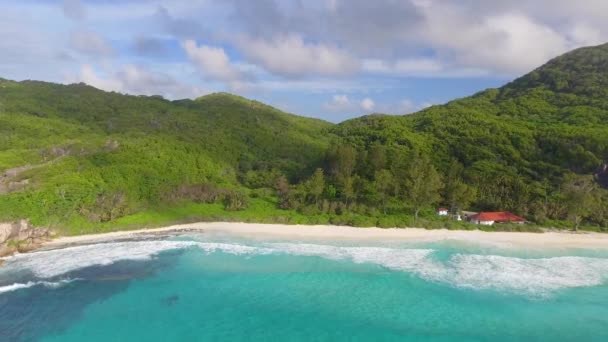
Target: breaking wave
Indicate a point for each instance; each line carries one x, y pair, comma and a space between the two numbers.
48, 284
538, 277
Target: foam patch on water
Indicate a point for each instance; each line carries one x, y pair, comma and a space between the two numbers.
48, 264
533, 276
538, 277
48, 284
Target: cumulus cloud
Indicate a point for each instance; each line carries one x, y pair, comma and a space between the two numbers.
339, 103
367, 104
74, 9
213, 62
420, 67
586, 35
405, 106
342, 103
496, 42
404, 67
473, 37
289, 55
90, 77
133, 79
90, 43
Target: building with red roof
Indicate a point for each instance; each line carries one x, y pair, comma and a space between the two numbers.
490, 218
442, 211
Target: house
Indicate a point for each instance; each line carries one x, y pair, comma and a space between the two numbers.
442, 211
490, 218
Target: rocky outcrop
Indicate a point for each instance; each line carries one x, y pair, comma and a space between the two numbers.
21, 237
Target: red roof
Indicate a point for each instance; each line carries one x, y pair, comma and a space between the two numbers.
500, 216
442, 209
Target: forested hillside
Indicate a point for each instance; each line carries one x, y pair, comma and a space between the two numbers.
77, 158
76, 155
537, 146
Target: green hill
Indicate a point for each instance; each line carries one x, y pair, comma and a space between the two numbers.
518, 144
80, 159
75, 155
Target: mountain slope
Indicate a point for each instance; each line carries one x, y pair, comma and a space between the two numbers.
75, 156
67, 151
517, 143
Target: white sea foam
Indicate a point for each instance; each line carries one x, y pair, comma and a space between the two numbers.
47, 264
49, 284
537, 277
518, 275
533, 276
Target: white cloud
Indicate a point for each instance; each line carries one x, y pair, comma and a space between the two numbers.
137, 80
342, 103
407, 106
90, 43
522, 44
213, 62
289, 55
586, 35
420, 67
90, 77
506, 42
339, 103
367, 104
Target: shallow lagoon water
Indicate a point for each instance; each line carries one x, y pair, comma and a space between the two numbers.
212, 287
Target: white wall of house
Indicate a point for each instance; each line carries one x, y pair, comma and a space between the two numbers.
442, 212
483, 223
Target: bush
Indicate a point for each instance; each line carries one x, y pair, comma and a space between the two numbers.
363, 221
387, 222
235, 200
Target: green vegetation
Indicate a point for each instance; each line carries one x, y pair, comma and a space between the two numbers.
83, 160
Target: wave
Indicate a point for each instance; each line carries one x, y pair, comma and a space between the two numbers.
51, 263
48, 284
537, 277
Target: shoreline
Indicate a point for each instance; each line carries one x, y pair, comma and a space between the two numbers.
343, 233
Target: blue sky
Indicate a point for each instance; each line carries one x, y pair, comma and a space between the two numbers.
331, 59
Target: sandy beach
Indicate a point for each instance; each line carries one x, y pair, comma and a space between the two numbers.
304, 232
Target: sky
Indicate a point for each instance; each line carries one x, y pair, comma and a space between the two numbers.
330, 59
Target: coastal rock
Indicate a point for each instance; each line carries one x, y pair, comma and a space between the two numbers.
21, 236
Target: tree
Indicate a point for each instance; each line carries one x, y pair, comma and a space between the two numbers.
422, 183
385, 186
457, 194
316, 185
377, 157
578, 193
341, 160
347, 188
282, 188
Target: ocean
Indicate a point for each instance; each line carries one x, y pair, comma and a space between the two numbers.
214, 287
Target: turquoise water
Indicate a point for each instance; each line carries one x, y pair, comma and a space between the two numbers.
219, 288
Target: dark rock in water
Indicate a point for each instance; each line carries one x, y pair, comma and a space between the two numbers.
171, 300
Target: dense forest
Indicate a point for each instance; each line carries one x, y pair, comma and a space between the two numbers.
79, 159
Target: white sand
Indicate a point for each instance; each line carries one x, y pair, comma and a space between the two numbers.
302, 232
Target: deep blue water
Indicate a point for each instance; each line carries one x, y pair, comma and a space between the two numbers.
218, 288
